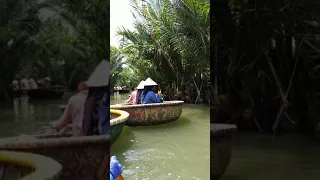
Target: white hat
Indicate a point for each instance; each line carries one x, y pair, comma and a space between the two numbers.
150, 82
100, 76
141, 85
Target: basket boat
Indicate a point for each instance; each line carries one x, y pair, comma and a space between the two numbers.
151, 114
82, 158
117, 121
220, 148
27, 166
54, 92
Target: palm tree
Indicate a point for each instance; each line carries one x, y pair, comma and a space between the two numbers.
116, 65
264, 52
58, 55
18, 22
171, 44
88, 20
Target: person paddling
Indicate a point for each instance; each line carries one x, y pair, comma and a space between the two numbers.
149, 93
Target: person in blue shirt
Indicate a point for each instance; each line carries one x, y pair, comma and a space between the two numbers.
150, 94
115, 169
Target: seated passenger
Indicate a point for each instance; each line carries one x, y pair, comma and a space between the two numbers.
97, 107
15, 85
47, 82
33, 84
150, 94
24, 84
132, 98
140, 88
93, 109
74, 111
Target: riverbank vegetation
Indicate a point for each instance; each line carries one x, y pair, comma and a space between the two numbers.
64, 40
266, 64
170, 44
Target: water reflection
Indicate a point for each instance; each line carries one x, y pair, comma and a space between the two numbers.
260, 157
22, 109
25, 116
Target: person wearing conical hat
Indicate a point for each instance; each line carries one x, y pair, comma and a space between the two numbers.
150, 93
140, 88
97, 106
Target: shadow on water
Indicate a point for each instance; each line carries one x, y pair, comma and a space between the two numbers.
260, 157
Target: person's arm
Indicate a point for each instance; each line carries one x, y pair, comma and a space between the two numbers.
65, 119
130, 100
115, 169
155, 98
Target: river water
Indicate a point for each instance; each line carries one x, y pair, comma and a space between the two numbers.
287, 157
180, 150
26, 117
177, 150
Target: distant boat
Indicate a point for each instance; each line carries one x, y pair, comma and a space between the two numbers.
53, 92
151, 114
121, 90
124, 89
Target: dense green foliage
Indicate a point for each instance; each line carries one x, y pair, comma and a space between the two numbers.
66, 45
170, 44
19, 22
266, 56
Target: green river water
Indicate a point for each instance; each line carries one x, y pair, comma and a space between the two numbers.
180, 150
177, 150
287, 157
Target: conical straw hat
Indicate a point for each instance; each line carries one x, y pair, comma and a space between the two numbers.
141, 85
100, 76
150, 82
